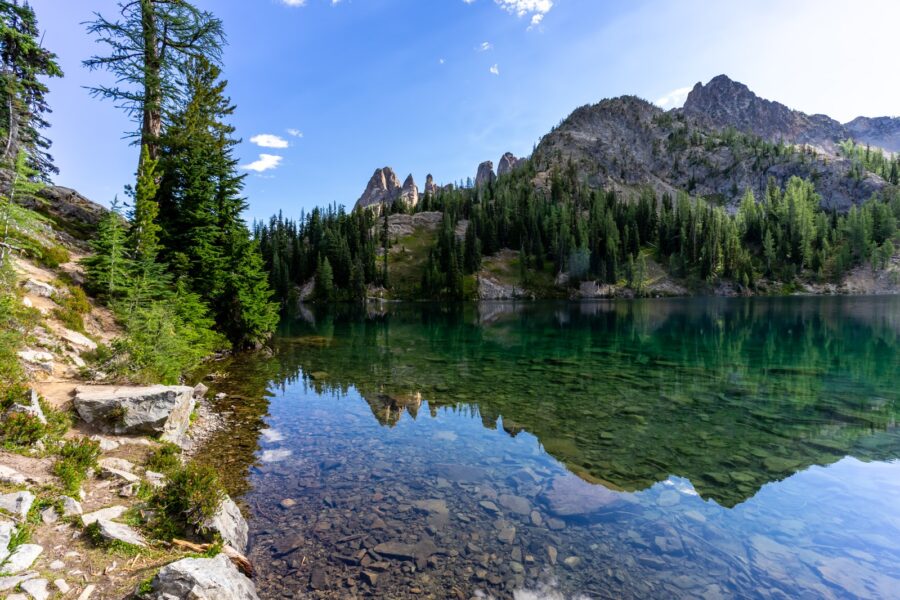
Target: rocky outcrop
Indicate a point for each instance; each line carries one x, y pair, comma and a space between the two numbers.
627, 143
409, 193
726, 103
383, 187
155, 410
202, 579
70, 211
507, 163
430, 188
485, 174
882, 132
229, 523
491, 289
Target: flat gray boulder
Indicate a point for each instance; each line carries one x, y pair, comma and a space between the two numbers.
152, 410
21, 559
7, 529
118, 532
17, 503
202, 579
230, 524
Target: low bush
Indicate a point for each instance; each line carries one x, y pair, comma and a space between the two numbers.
192, 495
165, 459
75, 458
20, 429
53, 256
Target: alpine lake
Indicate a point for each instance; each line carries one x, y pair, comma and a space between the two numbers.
684, 448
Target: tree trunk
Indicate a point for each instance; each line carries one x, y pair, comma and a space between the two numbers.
152, 109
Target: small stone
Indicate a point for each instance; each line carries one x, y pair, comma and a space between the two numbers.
220, 396
62, 586
17, 597
36, 588
49, 515
288, 503
105, 514
551, 554
129, 491
106, 444
119, 464
57, 565
516, 567
516, 504
318, 579
573, 562
370, 577
86, 593
556, 524
200, 390
507, 534
71, 506
489, 506
119, 532
155, 479
9, 475
536, 518
9, 583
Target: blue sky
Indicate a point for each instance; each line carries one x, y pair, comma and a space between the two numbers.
437, 86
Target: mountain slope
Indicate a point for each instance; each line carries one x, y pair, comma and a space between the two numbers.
625, 143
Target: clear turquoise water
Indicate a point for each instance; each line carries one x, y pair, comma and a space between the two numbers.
668, 448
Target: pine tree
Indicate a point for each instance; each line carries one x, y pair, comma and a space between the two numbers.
23, 102
107, 268
148, 50
472, 260
324, 282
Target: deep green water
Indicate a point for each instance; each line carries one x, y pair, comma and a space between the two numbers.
668, 448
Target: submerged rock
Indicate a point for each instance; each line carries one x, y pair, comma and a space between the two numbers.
155, 410
202, 579
570, 496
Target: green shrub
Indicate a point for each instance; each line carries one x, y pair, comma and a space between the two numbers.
72, 306
192, 494
21, 429
75, 458
165, 459
53, 256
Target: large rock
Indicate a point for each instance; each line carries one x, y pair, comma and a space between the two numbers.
430, 188
202, 579
118, 532
230, 524
485, 174
7, 529
17, 503
409, 194
10, 475
21, 560
154, 410
383, 187
570, 496
507, 163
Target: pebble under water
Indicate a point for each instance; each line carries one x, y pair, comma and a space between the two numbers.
697, 448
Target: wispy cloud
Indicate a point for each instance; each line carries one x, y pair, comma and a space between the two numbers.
267, 140
495, 70
485, 46
674, 98
294, 132
294, 2
265, 162
441, 61
536, 9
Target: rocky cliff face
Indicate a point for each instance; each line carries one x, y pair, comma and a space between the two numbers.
726, 103
626, 143
507, 163
384, 186
409, 194
430, 187
882, 132
485, 173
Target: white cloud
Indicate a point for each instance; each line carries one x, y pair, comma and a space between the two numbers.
441, 61
265, 162
521, 8
267, 140
674, 98
485, 46
294, 2
495, 70
468, 1
294, 132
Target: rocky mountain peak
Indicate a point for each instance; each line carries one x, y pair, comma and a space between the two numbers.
409, 193
724, 102
485, 173
507, 163
883, 132
383, 186
430, 187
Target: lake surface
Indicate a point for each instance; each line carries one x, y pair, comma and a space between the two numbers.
708, 448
